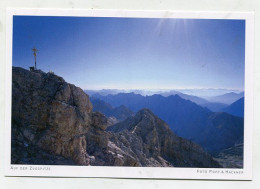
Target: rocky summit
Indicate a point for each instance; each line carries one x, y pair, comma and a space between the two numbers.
53, 124
153, 143
50, 114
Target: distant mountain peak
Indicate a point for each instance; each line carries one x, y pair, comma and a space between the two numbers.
227, 98
145, 111
120, 113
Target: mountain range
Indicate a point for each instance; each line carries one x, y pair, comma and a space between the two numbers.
120, 112
197, 93
214, 103
192, 98
214, 131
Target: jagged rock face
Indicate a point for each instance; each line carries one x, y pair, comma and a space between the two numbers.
53, 123
154, 144
50, 113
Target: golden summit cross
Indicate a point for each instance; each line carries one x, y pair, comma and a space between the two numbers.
35, 54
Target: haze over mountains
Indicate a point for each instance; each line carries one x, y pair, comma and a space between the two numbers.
213, 101
210, 92
227, 98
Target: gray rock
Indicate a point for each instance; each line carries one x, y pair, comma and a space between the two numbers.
49, 113
152, 143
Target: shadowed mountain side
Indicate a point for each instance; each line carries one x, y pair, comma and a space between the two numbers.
35, 156
236, 108
120, 113
53, 123
214, 106
154, 139
231, 157
222, 131
185, 118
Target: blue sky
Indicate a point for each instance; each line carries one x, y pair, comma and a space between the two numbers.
134, 53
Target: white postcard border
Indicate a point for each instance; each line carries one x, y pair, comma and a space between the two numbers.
133, 172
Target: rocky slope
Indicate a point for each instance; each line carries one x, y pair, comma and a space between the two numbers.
53, 123
154, 142
231, 157
49, 113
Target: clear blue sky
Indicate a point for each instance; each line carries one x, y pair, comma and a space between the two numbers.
134, 53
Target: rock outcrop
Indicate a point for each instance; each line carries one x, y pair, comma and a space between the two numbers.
53, 123
49, 113
152, 143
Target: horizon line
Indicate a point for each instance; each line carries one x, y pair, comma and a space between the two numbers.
162, 89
